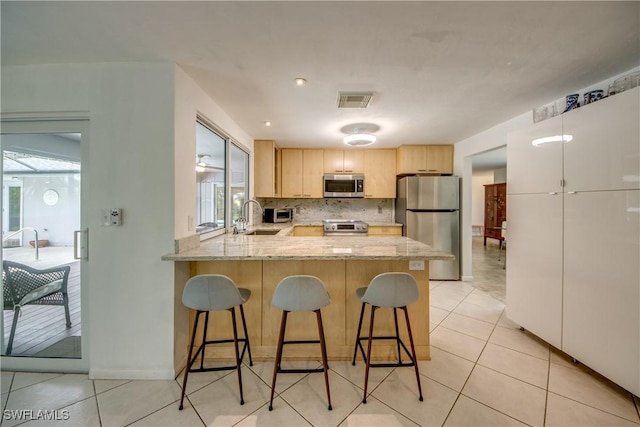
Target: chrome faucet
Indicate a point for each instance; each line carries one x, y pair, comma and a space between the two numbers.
244, 205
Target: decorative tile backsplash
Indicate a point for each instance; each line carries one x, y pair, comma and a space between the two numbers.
313, 210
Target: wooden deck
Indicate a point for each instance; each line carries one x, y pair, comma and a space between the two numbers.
41, 326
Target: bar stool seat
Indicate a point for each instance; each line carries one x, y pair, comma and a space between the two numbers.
388, 290
215, 292
300, 293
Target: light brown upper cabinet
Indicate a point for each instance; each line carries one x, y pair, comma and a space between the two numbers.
302, 172
425, 159
343, 161
266, 168
380, 174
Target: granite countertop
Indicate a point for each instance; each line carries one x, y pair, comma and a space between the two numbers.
284, 246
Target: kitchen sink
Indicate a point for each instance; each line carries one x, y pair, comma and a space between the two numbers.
262, 232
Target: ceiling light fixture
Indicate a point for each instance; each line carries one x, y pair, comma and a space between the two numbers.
300, 81
267, 123
359, 139
548, 139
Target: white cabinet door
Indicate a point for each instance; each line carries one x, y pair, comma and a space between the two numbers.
601, 324
535, 168
605, 151
534, 264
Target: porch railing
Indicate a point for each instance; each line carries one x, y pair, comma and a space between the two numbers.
36, 243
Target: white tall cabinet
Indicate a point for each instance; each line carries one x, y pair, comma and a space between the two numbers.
573, 270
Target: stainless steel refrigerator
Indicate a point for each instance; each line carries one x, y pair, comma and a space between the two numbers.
429, 209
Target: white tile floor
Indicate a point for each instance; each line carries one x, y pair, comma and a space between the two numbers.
484, 372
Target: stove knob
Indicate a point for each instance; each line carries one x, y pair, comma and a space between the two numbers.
333, 227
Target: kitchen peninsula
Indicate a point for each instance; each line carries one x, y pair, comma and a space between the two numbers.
343, 263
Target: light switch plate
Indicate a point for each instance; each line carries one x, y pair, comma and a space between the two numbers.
112, 217
416, 265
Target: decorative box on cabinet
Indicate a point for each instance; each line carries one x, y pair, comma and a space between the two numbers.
495, 210
425, 159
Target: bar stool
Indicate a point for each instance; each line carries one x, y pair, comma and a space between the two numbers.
391, 290
215, 292
300, 293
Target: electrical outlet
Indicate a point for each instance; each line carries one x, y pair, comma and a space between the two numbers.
416, 265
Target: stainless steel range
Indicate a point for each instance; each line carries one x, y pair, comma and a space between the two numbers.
345, 227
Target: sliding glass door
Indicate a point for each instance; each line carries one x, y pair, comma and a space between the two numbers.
43, 245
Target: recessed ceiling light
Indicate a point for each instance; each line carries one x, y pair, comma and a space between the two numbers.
300, 81
267, 123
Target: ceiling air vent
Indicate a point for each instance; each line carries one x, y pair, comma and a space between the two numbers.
354, 99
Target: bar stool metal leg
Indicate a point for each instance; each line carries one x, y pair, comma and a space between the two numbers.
395, 320
355, 347
186, 370
235, 345
323, 348
413, 351
204, 337
368, 361
276, 366
246, 336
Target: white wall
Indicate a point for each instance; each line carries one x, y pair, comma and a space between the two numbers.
191, 101
484, 141
131, 166
479, 180
500, 176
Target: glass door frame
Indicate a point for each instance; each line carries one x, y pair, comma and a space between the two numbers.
58, 123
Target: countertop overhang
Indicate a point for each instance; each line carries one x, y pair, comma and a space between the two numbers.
284, 246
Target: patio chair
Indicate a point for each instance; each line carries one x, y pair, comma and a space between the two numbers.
23, 285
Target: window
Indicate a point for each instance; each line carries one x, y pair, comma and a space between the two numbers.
222, 176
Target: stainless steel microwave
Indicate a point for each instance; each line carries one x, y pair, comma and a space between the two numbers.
344, 186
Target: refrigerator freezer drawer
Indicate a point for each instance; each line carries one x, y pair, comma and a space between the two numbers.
440, 230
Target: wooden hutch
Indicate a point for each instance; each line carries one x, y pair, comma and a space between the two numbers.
495, 210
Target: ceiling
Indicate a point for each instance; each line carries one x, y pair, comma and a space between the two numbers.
441, 71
